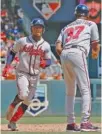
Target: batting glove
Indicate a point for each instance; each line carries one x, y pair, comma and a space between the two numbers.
5, 70
43, 64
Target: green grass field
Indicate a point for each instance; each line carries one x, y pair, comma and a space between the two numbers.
48, 120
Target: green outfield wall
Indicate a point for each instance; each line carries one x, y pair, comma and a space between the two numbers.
56, 97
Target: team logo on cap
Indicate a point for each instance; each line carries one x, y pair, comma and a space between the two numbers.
39, 103
46, 7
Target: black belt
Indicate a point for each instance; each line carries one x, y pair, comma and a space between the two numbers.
74, 46
32, 74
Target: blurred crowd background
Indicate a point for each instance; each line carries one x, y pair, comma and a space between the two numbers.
11, 27
15, 23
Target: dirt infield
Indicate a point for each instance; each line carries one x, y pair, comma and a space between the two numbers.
40, 127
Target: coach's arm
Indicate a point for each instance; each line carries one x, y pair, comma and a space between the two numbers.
95, 49
59, 47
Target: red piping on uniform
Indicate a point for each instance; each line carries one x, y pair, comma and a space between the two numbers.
87, 82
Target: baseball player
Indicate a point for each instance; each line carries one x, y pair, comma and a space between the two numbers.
34, 52
73, 46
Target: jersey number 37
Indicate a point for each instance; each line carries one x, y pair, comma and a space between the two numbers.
73, 32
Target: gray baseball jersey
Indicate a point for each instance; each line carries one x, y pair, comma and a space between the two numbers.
79, 32
30, 53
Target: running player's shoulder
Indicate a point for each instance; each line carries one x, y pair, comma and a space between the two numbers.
46, 43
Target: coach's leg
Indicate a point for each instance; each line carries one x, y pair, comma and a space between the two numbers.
84, 86
70, 81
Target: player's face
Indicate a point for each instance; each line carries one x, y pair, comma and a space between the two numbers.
37, 30
94, 8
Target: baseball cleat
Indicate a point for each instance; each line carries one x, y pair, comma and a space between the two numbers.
12, 126
73, 127
87, 127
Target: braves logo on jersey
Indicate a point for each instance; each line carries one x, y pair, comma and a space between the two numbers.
33, 51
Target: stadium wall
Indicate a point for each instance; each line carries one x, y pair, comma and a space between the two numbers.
56, 97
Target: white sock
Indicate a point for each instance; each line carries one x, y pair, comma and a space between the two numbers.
70, 100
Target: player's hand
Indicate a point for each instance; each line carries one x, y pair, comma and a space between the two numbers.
95, 52
43, 64
5, 70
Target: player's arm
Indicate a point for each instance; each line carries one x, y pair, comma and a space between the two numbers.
10, 58
46, 60
95, 41
13, 51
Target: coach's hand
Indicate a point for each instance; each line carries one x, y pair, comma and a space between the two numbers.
95, 52
59, 51
59, 47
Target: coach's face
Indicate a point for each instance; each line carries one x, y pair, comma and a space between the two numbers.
94, 8
37, 30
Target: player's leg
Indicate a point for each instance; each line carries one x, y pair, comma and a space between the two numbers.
12, 106
70, 81
23, 91
33, 81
